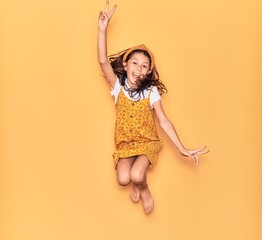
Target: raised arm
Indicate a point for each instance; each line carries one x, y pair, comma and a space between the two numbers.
103, 21
169, 129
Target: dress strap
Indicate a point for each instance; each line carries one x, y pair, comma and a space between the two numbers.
150, 91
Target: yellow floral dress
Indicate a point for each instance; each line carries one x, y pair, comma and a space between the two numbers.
135, 129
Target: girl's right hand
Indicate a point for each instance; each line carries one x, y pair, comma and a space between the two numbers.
105, 16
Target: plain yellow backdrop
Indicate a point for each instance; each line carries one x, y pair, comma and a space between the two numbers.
57, 121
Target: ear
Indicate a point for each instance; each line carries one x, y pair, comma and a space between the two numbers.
125, 65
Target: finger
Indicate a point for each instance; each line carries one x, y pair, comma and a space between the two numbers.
201, 148
101, 16
107, 6
112, 11
101, 13
196, 159
198, 150
201, 152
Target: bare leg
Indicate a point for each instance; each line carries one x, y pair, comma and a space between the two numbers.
138, 177
135, 193
123, 170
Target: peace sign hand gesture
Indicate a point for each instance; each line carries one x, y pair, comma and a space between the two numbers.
105, 16
194, 154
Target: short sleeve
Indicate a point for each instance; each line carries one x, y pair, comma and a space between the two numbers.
154, 96
115, 91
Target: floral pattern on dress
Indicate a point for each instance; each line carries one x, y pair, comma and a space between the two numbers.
135, 130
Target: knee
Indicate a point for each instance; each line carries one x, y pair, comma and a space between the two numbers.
123, 179
137, 176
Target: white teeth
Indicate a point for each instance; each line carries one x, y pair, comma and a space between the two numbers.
136, 75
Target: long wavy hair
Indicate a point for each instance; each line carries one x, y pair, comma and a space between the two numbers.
151, 79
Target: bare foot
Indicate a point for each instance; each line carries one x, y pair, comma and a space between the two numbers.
135, 193
147, 200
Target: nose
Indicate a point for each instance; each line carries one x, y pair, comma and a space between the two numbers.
138, 67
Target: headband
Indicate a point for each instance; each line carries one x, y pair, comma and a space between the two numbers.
143, 48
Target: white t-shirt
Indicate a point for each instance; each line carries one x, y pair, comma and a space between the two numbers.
154, 96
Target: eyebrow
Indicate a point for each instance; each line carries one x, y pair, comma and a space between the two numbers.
137, 60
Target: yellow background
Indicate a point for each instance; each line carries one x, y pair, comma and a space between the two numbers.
57, 121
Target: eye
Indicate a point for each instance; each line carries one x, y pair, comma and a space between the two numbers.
145, 66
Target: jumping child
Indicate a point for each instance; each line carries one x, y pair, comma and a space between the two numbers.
136, 87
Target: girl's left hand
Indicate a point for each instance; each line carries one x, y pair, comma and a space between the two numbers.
194, 153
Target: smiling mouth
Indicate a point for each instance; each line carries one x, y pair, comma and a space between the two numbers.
136, 76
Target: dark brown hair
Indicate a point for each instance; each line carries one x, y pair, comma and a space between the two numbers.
151, 79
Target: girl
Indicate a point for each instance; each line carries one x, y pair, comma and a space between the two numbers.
136, 88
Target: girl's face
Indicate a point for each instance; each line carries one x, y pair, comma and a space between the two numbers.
137, 67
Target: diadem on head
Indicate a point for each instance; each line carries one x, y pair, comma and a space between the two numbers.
143, 48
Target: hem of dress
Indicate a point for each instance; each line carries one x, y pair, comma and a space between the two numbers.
116, 158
